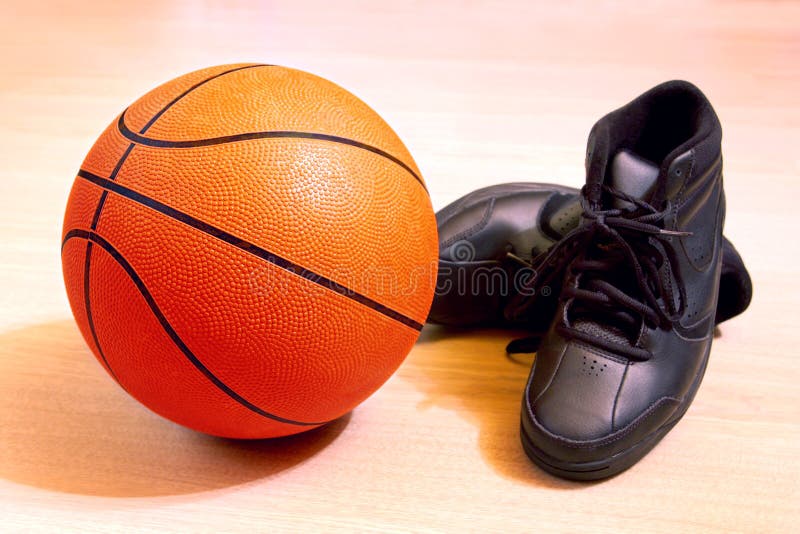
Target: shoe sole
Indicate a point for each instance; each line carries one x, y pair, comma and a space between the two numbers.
619, 462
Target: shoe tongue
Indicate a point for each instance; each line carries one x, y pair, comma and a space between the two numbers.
636, 177
632, 175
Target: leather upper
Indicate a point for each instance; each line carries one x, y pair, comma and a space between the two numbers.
476, 276
477, 230
583, 402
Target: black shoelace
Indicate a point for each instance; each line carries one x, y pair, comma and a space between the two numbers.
596, 253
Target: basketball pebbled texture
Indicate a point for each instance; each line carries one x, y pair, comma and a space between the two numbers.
249, 251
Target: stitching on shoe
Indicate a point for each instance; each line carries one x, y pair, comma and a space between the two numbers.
611, 438
526, 401
474, 228
686, 179
713, 173
641, 336
616, 398
694, 339
553, 375
707, 180
702, 267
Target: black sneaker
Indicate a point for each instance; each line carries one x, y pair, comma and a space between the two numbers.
489, 239
627, 350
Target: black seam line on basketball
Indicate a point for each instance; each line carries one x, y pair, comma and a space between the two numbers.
86, 273
275, 134
246, 246
192, 88
87, 303
101, 203
150, 123
93, 237
99, 209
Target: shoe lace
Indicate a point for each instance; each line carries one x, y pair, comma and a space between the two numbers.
596, 253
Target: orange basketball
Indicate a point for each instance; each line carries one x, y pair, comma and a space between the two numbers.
249, 250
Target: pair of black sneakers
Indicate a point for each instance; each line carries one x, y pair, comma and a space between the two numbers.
620, 284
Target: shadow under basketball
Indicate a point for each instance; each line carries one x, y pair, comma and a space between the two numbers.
66, 426
468, 371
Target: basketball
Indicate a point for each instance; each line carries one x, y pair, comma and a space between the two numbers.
249, 251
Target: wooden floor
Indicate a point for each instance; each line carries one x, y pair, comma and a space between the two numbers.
481, 93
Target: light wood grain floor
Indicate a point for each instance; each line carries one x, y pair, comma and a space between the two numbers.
481, 92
